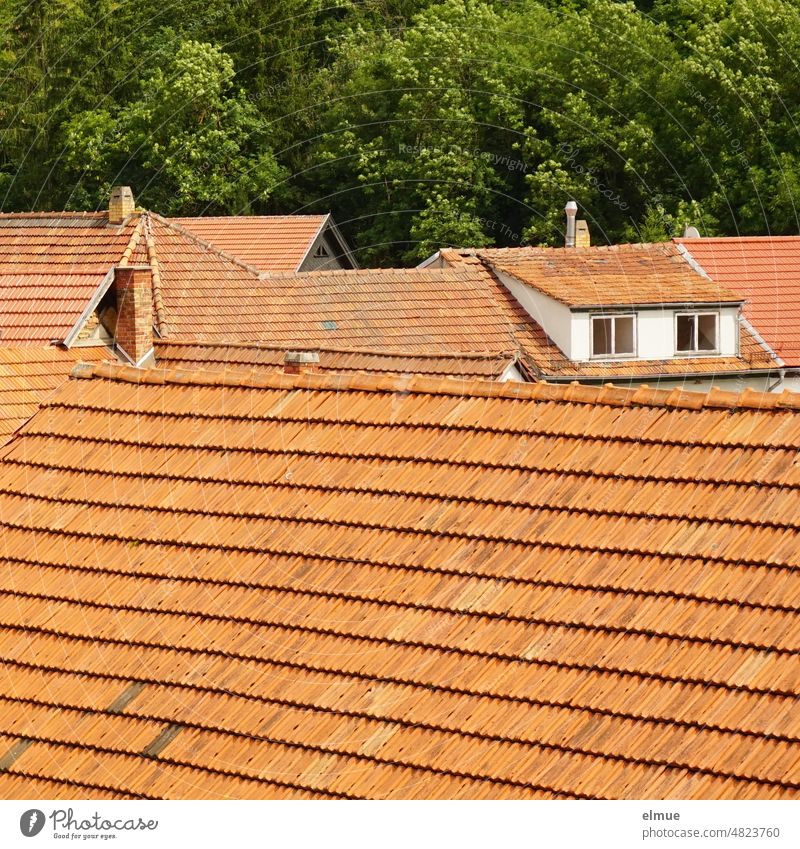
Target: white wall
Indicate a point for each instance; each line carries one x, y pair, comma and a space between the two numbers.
552, 316
655, 333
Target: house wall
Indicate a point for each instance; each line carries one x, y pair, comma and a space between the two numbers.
655, 333
511, 373
791, 382
554, 317
336, 258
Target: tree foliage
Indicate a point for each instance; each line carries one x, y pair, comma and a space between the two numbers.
417, 123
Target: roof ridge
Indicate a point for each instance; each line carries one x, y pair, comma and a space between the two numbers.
289, 215
578, 249
607, 395
324, 349
152, 259
380, 272
209, 246
61, 213
723, 239
133, 242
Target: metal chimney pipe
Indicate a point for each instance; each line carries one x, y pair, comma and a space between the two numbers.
572, 210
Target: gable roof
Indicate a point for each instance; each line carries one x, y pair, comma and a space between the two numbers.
547, 359
267, 242
320, 585
209, 296
766, 270
610, 275
172, 354
51, 264
29, 375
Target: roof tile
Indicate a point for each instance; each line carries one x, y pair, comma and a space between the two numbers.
350, 585
766, 271
267, 242
610, 275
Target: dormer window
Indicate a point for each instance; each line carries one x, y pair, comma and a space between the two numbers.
697, 333
613, 336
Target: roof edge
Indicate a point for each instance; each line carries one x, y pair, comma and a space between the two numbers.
607, 395
324, 349
102, 288
327, 221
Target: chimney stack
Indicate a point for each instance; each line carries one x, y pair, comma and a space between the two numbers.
297, 362
572, 210
582, 237
120, 204
133, 335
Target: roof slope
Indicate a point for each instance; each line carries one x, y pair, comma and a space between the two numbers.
50, 266
610, 275
545, 357
384, 587
244, 355
29, 375
268, 242
209, 296
766, 270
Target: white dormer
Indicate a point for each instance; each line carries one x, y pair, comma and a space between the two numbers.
654, 333
627, 302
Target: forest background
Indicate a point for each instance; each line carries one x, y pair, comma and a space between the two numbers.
417, 124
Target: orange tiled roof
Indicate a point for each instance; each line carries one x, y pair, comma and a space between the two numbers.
766, 271
752, 357
211, 297
607, 275
550, 362
244, 355
50, 266
327, 585
267, 242
30, 374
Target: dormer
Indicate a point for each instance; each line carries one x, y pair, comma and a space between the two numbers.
609, 304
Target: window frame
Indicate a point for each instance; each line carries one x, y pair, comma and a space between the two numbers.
697, 352
613, 316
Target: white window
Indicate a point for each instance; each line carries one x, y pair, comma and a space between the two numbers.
614, 335
697, 333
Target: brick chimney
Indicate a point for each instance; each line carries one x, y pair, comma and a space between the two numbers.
133, 335
297, 362
582, 237
120, 204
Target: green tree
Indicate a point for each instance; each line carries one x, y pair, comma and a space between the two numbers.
190, 141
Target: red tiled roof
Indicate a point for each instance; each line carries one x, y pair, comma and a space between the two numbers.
29, 375
606, 275
210, 297
766, 271
172, 354
50, 266
325, 585
547, 358
752, 357
267, 242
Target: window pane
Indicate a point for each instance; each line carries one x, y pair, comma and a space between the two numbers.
623, 337
686, 341
707, 332
601, 337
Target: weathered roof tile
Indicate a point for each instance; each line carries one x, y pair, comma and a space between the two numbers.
260, 585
